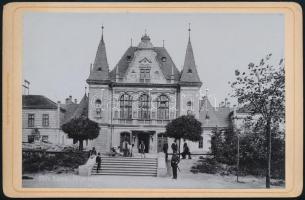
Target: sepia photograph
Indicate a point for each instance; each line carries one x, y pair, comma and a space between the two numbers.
154, 100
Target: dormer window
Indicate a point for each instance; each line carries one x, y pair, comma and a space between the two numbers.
163, 59
99, 69
128, 58
189, 71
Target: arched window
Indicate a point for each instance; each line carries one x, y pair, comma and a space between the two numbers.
98, 109
125, 107
144, 111
163, 107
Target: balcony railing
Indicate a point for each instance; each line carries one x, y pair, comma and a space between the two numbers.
141, 121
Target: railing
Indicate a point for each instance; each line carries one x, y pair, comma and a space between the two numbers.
141, 121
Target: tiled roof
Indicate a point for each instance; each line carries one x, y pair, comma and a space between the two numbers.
210, 117
166, 66
70, 109
37, 102
100, 71
189, 72
82, 109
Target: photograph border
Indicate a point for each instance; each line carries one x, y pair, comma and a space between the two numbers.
12, 96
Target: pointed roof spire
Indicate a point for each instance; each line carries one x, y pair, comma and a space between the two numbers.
100, 70
189, 31
189, 71
102, 32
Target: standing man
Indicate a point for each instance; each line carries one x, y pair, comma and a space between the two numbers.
174, 163
125, 147
142, 149
98, 160
174, 146
165, 149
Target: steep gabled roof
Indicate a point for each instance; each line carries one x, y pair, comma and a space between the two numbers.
82, 109
100, 70
210, 117
37, 102
70, 109
189, 72
166, 64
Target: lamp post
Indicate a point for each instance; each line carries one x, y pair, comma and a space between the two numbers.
235, 129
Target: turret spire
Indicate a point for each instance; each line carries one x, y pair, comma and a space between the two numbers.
100, 69
189, 71
189, 30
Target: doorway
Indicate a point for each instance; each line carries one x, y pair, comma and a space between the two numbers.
162, 139
145, 138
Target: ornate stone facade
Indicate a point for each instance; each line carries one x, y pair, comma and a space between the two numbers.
142, 93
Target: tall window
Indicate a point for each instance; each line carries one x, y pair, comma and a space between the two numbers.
98, 107
163, 107
144, 75
45, 120
31, 120
125, 107
144, 107
200, 144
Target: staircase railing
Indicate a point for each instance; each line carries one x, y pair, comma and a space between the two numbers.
85, 170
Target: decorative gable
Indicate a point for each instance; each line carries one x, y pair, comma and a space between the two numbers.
145, 61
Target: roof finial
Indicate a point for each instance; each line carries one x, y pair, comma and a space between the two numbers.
102, 30
90, 67
131, 42
189, 31
145, 32
163, 43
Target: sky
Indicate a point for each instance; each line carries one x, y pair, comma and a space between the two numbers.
59, 47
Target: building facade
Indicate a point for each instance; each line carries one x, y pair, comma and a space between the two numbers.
42, 119
141, 94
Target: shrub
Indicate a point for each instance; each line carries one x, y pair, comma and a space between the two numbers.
42, 161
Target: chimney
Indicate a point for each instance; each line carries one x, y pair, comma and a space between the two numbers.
70, 97
75, 100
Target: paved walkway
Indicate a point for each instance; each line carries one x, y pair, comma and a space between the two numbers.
186, 179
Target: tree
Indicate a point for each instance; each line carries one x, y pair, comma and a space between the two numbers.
81, 129
186, 127
261, 89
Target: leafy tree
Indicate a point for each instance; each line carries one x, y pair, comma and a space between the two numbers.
81, 129
262, 90
185, 127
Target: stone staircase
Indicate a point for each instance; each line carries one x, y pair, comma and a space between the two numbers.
127, 166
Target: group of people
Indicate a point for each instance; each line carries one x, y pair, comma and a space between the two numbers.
128, 152
128, 149
175, 156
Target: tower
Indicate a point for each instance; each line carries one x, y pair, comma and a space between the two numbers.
100, 96
190, 83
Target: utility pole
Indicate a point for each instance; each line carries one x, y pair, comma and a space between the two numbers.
237, 134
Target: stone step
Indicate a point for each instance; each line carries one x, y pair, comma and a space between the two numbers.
124, 174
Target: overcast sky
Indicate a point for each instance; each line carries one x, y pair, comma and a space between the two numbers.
59, 47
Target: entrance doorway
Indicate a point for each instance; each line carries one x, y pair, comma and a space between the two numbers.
162, 139
124, 136
143, 136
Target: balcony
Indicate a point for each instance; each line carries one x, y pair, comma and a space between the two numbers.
141, 121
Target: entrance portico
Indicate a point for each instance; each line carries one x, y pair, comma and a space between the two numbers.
147, 137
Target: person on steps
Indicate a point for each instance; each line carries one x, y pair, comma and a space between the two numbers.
165, 149
98, 160
142, 149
